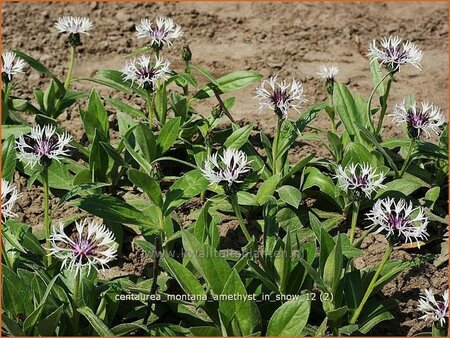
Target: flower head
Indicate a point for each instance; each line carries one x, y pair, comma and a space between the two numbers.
145, 72
92, 244
280, 97
393, 54
435, 310
357, 179
73, 25
42, 146
399, 219
226, 169
328, 73
419, 120
9, 198
11, 65
160, 34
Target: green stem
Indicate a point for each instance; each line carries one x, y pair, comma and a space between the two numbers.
71, 67
384, 104
150, 109
333, 122
355, 212
371, 97
369, 290
275, 146
237, 211
407, 158
46, 213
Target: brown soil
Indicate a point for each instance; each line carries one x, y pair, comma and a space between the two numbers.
291, 39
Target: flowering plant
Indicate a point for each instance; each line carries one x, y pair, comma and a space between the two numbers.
163, 167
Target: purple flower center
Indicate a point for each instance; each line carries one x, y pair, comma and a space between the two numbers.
43, 147
362, 180
397, 221
280, 98
146, 73
417, 119
159, 33
84, 248
398, 56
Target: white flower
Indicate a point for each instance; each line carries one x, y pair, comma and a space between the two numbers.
73, 25
428, 118
10, 65
280, 97
145, 72
162, 34
435, 310
42, 145
356, 179
399, 219
328, 73
227, 168
9, 198
393, 55
92, 244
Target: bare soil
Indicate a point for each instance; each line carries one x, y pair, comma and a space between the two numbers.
291, 39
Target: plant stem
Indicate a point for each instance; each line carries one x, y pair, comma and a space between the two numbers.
355, 212
275, 146
150, 109
407, 158
369, 290
71, 67
237, 211
46, 213
371, 97
384, 104
333, 123
154, 286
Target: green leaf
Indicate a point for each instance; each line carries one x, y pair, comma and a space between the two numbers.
333, 267
208, 262
112, 209
406, 185
168, 135
95, 119
95, 322
242, 313
125, 108
290, 318
34, 317
8, 158
117, 82
98, 159
290, 195
346, 108
377, 75
183, 276
147, 184
246, 198
59, 176
373, 314
267, 189
39, 67
14, 130
189, 185
315, 178
145, 165
238, 138
229, 83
